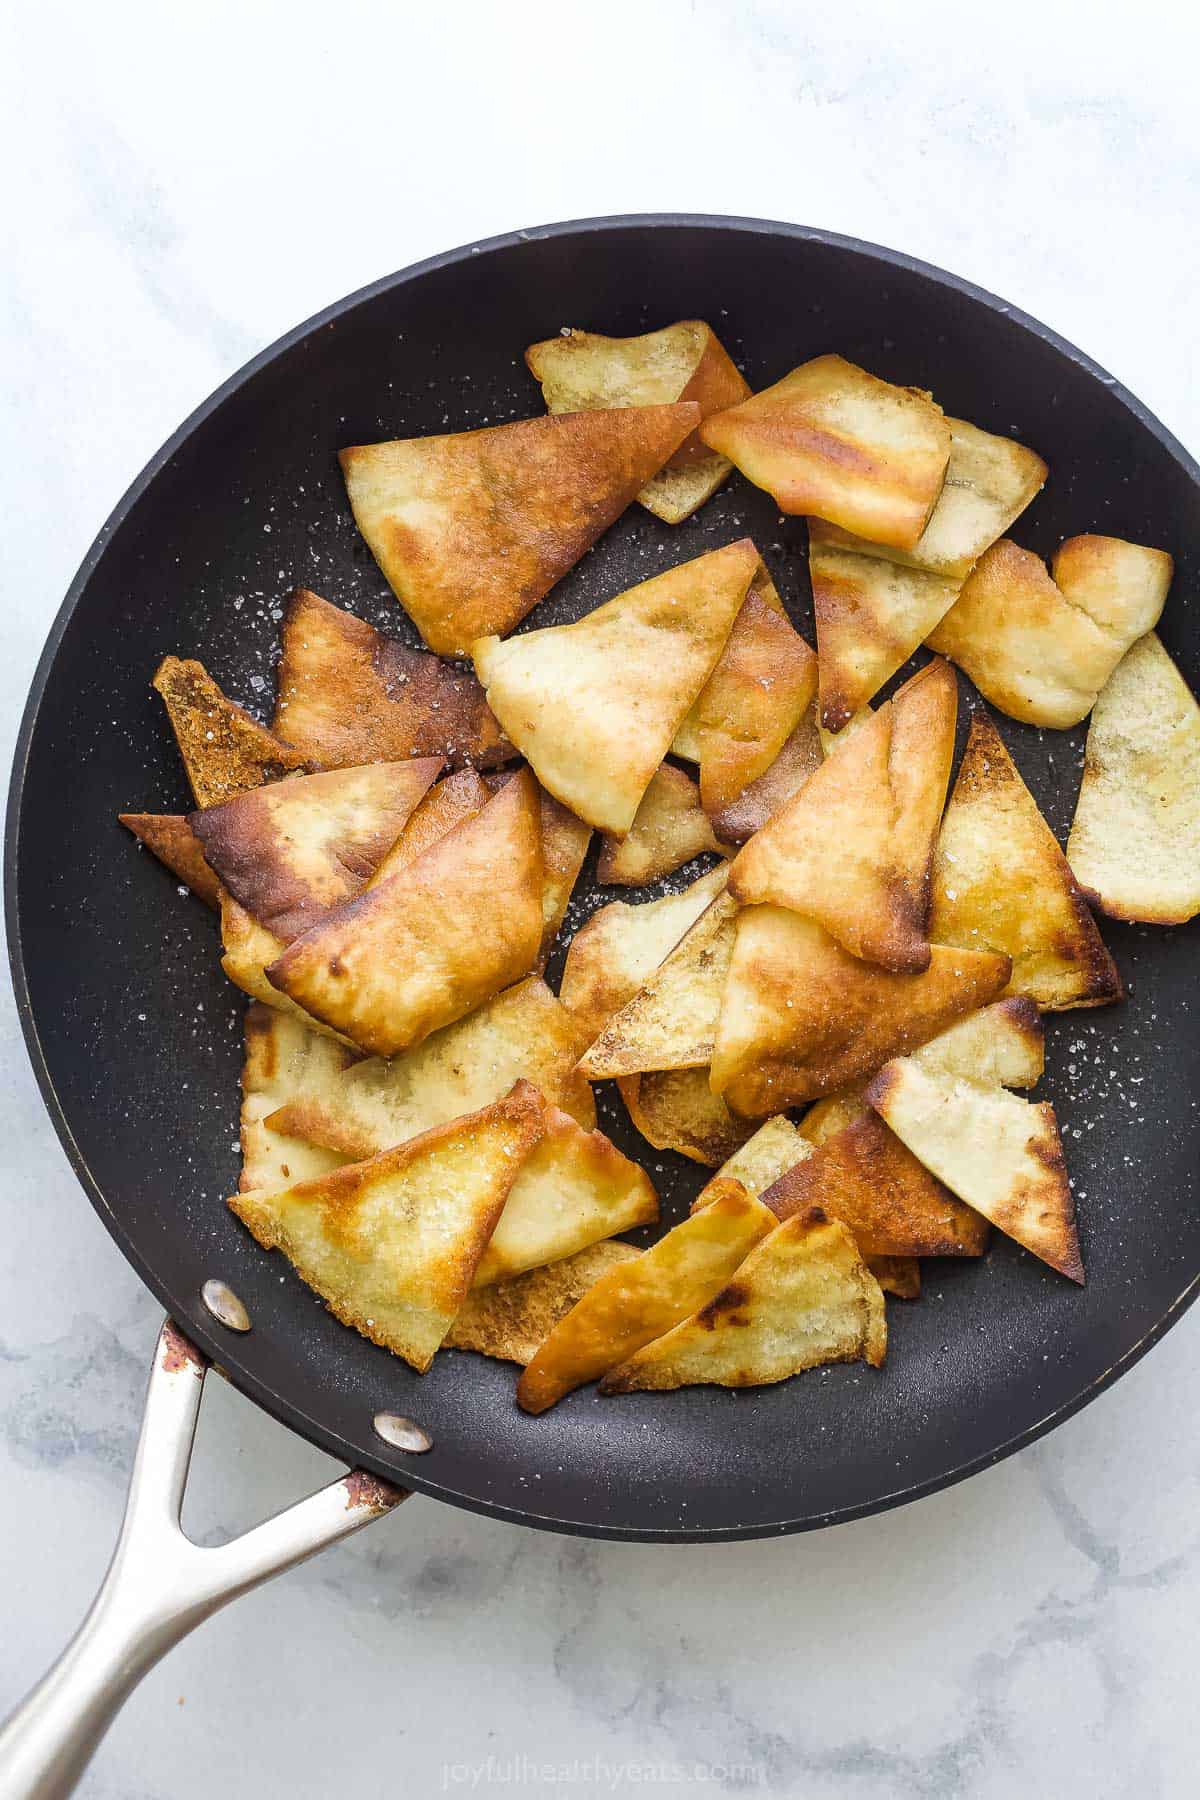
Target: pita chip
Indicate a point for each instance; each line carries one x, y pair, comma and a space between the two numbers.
669, 828
474, 528
676, 1109
172, 840
834, 441
774, 1148
450, 802
751, 704
801, 1017
391, 1245
350, 695
898, 1275
580, 370
924, 717
762, 799
1135, 839
284, 1061
509, 1319
802, 1297
224, 750
1000, 882
292, 851
594, 706
636, 1302
248, 948
999, 1153
565, 841
1122, 586
435, 940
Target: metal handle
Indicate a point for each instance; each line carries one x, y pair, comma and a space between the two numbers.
159, 1584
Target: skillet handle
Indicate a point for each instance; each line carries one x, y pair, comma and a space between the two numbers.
159, 1584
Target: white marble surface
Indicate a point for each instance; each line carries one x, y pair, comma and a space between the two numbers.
182, 185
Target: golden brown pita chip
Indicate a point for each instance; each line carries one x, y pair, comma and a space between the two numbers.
521, 1034
999, 1153
432, 942
292, 851
637, 1302
1122, 586
172, 840
834, 441
668, 830
752, 703
924, 717
676, 1109
224, 750
448, 803
594, 706
802, 1297
509, 1319
565, 841
801, 1017
248, 948
620, 947
989, 483
671, 1021
472, 529
758, 1163
899, 1275
871, 615
1000, 882
350, 695
749, 812
574, 1188
391, 1245
686, 742
581, 370
1135, 839
284, 1062
831, 854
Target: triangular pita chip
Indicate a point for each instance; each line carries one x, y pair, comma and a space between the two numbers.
509, 1319
989, 482
835, 740
574, 1188
831, 854
391, 1245
802, 1297
565, 841
172, 840
999, 1153
284, 1062
765, 594
292, 851
248, 949
668, 830
637, 1302
834, 441
801, 1017
350, 695
581, 370
448, 803
1122, 586
1135, 838
224, 750
749, 708
594, 706
871, 615
676, 1109
620, 947
924, 717
472, 529
1000, 882
432, 942
522, 1034
758, 1163
671, 1021
899, 1275
749, 812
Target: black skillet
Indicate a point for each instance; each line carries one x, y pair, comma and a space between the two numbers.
135, 1035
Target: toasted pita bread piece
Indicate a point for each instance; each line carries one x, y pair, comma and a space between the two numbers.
924, 717
450, 802
581, 370
224, 750
801, 1017
834, 740
675, 1109
565, 841
248, 948
750, 706
671, 1021
350, 695
172, 840
472, 529
686, 743
594, 706
637, 1302
1122, 586
1135, 838
802, 1297
898, 1275
871, 615
391, 1245
521, 1034
620, 947
758, 1163
834, 441
669, 828
292, 851
574, 1188
429, 944
989, 482
762, 799
830, 854
999, 1153
284, 1062
509, 1319
1000, 882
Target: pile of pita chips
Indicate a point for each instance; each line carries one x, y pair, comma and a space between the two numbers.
581, 370
669, 828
